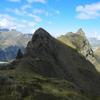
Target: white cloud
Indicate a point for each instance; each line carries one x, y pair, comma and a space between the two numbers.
38, 11
23, 12
32, 31
50, 22
88, 11
36, 18
6, 21
94, 34
38, 1
26, 6
9, 22
57, 12
16, 11
14, 0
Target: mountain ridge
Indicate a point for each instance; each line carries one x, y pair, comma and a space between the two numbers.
80, 42
45, 54
10, 42
49, 69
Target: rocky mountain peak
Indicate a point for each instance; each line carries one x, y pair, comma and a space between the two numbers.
41, 37
41, 33
81, 32
4, 30
81, 43
41, 42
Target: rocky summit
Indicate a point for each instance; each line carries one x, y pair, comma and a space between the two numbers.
79, 42
49, 70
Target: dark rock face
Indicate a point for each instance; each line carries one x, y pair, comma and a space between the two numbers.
49, 57
19, 54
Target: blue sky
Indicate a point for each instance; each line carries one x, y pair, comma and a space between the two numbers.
56, 16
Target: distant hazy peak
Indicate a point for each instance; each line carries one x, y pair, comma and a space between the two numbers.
13, 29
4, 30
81, 32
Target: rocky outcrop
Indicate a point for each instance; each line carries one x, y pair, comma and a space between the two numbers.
49, 57
19, 54
82, 45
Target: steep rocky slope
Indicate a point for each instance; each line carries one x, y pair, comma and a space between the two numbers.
79, 42
50, 70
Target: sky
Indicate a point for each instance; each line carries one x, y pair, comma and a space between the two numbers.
56, 16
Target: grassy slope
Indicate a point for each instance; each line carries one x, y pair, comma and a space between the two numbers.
30, 86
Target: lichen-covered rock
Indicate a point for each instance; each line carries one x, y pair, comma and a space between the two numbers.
82, 45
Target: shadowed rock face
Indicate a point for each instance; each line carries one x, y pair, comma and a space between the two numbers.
49, 57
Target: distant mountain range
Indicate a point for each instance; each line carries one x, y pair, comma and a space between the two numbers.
4, 30
94, 42
10, 42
